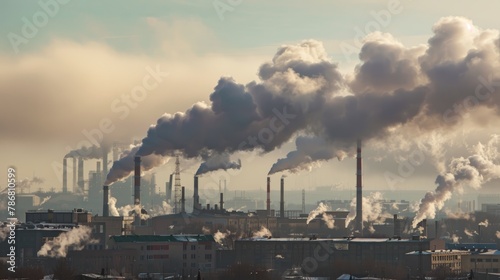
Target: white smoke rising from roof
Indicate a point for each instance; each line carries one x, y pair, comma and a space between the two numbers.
484, 223
469, 233
45, 199
498, 234
322, 208
472, 171
263, 232
220, 236
329, 221
372, 209
158, 210
131, 210
458, 215
205, 230
75, 239
455, 238
217, 161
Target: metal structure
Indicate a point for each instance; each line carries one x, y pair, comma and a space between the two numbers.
177, 186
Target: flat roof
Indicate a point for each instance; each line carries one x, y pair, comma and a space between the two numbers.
162, 238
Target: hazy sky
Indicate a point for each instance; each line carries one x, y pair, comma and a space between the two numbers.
67, 69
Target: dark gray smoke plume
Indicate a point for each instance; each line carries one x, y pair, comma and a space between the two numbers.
217, 161
301, 92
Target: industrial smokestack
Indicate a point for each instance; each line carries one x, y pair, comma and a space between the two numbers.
196, 198
183, 200
105, 201
424, 226
268, 201
137, 181
359, 191
221, 202
104, 162
80, 176
282, 198
169, 187
65, 176
74, 174
397, 226
98, 174
436, 228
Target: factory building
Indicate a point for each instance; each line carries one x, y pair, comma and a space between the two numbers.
420, 263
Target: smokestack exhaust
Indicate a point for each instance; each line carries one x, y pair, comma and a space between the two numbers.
268, 201
359, 191
65, 176
105, 201
104, 162
282, 198
196, 198
221, 202
183, 200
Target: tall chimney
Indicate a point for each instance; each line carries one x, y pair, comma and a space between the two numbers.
424, 225
397, 227
137, 181
221, 202
65, 176
268, 201
104, 162
196, 198
105, 201
183, 200
282, 198
359, 192
80, 176
98, 174
436, 229
169, 187
74, 174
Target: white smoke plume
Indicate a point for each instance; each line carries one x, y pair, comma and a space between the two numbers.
472, 171
4, 232
205, 230
263, 232
158, 210
498, 234
45, 199
75, 239
129, 210
372, 209
329, 221
469, 233
220, 236
458, 215
92, 152
484, 223
217, 161
455, 238
322, 208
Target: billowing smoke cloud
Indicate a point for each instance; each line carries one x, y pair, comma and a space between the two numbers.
310, 150
91, 152
263, 232
122, 168
458, 215
75, 239
372, 209
220, 236
484, 223
131, 209
321, 210
217, 161
158, 210
302, 92
472, 171
205, 230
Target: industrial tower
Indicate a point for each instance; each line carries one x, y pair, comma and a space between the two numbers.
177, 189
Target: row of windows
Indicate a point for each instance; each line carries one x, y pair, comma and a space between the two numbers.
445, 258
157, 257
485, 260
157, 247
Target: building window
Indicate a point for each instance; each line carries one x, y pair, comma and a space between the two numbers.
487, 260
208, 257
193, 247
184, 246
193, 256
495, 260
